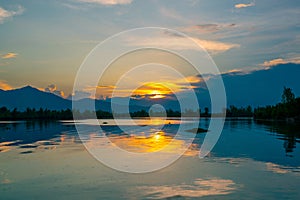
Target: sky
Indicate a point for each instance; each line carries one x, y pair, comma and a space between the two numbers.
43, 43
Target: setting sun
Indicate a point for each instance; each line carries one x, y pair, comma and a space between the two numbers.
155, 94
156, 90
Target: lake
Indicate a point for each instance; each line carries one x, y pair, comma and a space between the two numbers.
47, 160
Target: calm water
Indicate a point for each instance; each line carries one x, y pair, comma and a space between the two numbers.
46, 160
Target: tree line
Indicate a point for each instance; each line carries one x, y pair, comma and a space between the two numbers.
67, 114
288, 108
34, 114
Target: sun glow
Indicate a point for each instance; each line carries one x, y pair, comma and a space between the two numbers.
156, 90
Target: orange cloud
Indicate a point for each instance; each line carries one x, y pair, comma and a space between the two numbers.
9, 55
4, 85
278, 61
104, 91
242, 5
157, 89
53, 89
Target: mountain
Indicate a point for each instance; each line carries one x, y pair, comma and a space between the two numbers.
28, 96
262, 87
257, 88
146, 103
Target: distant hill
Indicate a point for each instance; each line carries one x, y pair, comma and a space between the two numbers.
28, 96
262, 87
257, 88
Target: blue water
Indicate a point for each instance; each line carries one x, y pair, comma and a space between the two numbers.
47, 160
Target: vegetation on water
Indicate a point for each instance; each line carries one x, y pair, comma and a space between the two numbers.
287, 109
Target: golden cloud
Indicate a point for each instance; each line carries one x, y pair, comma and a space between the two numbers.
53, 89
242, 5
148, 89
157, 89
9, 55
4, 85
278, 61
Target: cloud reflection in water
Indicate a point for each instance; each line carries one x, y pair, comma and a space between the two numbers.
199, 188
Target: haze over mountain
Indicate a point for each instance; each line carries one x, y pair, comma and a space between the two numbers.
256, 88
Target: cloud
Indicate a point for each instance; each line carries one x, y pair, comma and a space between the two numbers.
79, 95
252, 69
207, 28
5, 14
278, 61
4, 85
177, 42
53, 89
107, 2
9, 55
242, 5
264, 66
215, 46
163, 88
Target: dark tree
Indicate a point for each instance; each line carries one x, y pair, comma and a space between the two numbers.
287, 96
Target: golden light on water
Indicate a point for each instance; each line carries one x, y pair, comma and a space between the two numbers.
145, 144
141, 142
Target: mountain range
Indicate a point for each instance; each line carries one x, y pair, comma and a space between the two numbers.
256, 88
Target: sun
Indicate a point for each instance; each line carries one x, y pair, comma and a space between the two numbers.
154, 90
155, 94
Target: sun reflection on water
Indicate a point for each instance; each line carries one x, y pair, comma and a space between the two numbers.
145, 144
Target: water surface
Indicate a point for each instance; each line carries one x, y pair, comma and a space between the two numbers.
47, 160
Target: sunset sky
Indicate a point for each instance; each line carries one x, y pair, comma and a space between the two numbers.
43, 43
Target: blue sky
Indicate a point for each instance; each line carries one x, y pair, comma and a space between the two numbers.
43, 43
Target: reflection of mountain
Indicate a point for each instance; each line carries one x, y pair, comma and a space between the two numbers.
257, 88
